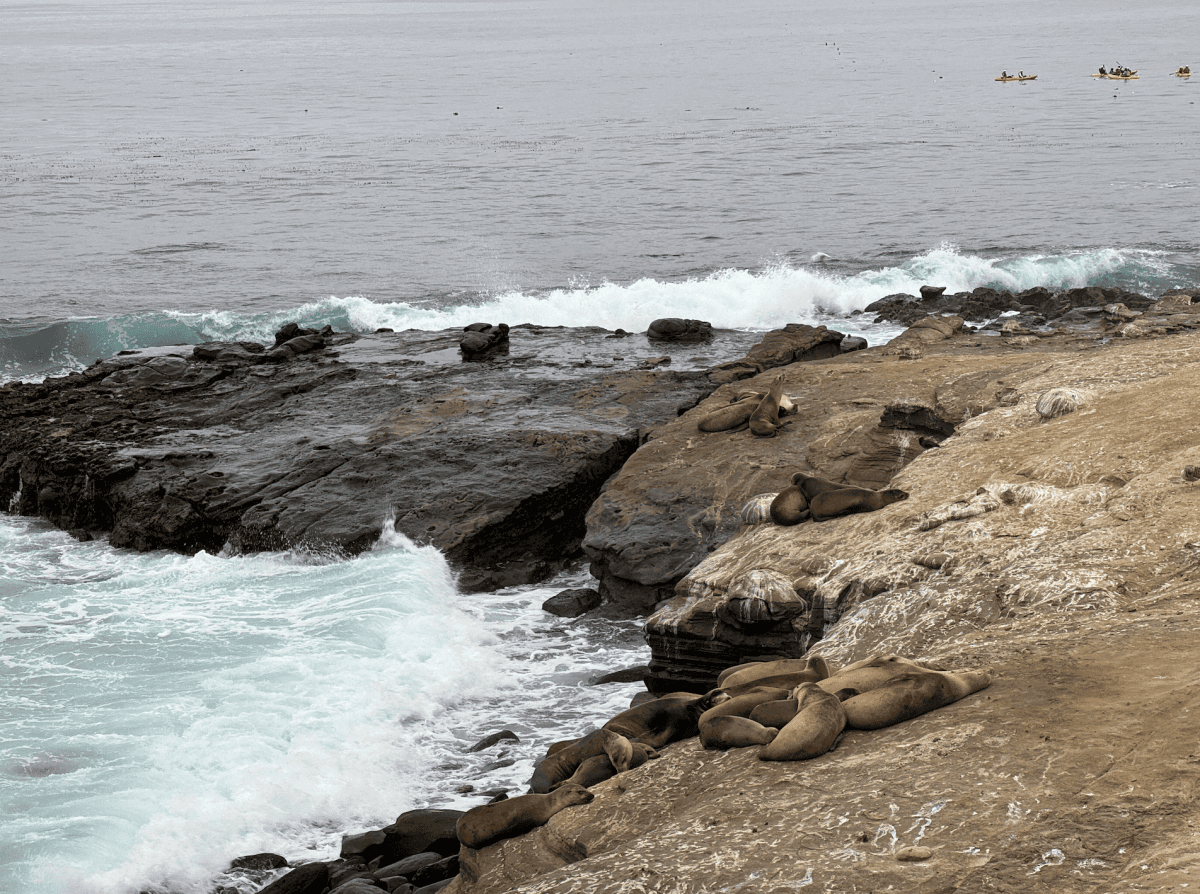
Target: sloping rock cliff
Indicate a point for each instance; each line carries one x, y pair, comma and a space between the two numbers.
1062, 551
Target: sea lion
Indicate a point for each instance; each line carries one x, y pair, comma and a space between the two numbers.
715, 732
732, 417
775, 714
811, 485
819, 721
558, 767
783, 673
732, 731
664, 720
597, 769
911, 695
764, 421
489, 823
790, 507
849, 500
871, 673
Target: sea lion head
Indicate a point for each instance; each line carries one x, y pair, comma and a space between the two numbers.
710, 699
573, 793
893, 495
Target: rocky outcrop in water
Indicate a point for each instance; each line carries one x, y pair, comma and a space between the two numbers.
316, 442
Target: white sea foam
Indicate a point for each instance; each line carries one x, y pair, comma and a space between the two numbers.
729, 299
163, 714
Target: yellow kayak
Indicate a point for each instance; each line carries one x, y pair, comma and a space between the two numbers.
1018, 78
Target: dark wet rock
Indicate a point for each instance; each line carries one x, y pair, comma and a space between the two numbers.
434, 888
795, 343
311, 878
505, 735
572, 603
626, 675
676, 329
929, 293
495, 465
228, 351
258, 862
408, 867
483, 338
443, 869
852, 343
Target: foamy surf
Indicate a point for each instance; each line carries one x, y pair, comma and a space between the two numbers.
819, 292
163, 714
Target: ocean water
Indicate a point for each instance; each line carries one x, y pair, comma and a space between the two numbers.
175, 173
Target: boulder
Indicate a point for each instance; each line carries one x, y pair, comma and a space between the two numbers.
572, 603
676, 329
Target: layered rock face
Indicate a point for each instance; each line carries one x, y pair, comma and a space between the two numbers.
861, 419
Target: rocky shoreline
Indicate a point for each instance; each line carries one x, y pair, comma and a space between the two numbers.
1025, 543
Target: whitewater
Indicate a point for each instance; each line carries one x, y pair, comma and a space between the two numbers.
183, 173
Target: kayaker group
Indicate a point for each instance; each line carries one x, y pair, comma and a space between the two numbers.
1117, 71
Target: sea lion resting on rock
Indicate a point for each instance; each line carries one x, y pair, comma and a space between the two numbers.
731, 417
563, 760
727, 726
599, 768
850, 500
783, 673
666, 719
887, 689
736, 415
764, 421
655, 723
489, 823
790, 507
819, 721
775, 714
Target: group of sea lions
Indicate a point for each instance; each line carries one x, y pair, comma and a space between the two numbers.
795, 708
758, 411
820, 499
807, 720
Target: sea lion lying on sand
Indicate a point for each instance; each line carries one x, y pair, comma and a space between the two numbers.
666, 719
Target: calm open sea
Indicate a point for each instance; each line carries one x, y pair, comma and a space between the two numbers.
174, 173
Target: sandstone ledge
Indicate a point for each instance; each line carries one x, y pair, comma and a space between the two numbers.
1062, 552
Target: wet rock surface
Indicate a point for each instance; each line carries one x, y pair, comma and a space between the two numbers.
316, 442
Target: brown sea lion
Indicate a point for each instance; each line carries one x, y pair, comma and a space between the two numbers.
733, 417
790, 507
558, 767
764, 421
871, 673
775, 714
849, 500
732, 731
597, 769
717, 729
910, 695
811, 485
813, 731
489, 823
664, 720
782, 673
